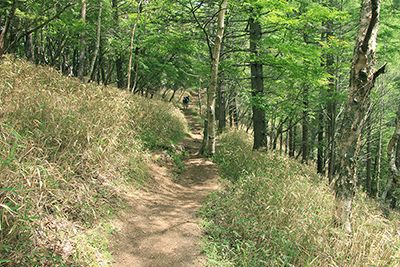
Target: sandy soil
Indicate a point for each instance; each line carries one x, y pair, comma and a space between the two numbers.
160, 227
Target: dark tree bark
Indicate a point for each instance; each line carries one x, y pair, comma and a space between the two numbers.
291, 131
4, 32
362, 79
320, 143
257, 85
305, 126
29, 48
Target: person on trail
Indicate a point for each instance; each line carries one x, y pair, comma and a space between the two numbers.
185, 102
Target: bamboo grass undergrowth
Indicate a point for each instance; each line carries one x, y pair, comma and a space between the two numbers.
275, 211
68, 153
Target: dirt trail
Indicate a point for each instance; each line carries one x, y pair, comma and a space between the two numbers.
160, 228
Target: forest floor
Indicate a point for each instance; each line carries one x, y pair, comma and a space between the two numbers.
159, 226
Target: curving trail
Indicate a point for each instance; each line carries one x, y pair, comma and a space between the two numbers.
160, 227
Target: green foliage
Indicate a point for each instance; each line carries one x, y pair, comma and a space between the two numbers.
274, 211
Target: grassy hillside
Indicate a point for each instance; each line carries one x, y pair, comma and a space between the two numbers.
67, 153
275, 211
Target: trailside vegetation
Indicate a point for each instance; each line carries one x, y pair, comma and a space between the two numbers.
275, 211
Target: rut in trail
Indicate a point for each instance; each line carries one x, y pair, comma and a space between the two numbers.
160, 228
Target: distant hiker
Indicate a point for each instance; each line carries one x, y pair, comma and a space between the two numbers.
185, 102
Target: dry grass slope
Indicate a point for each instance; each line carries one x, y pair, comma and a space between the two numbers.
277, 212
67, 152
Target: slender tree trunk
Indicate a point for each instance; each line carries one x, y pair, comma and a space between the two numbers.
131, 46
29, 47
205, 133
271, 133
214, 77
199, 96
233, 114
378, 172
119, 59
331, 105
305, 126
173, 94
369, 156
257, 86
221, 105
96, 50
398, 153
140, 50
320, 143
81, 69
280, 142
391, 155
362, 79
291, 138
4, 32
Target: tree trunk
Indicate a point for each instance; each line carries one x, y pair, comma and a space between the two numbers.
199, 96
119, 56
205, 133
362, 79
320, 143
139, 52
3, 34
29, 48
379, 163
214, 77
173, 94
233, 114
391, 155
82, 43
257, 86
131, 46
221, 105
292, 143
305, 126
369, 156
96, 50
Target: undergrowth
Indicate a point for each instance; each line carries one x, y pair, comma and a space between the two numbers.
275, 211
67, 152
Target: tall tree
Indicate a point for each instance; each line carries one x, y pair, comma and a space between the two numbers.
81, 69
393, 167
214, 77
362, 79
257, 81
98, 38
131, 46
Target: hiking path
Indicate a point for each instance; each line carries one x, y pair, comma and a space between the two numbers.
159, 228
